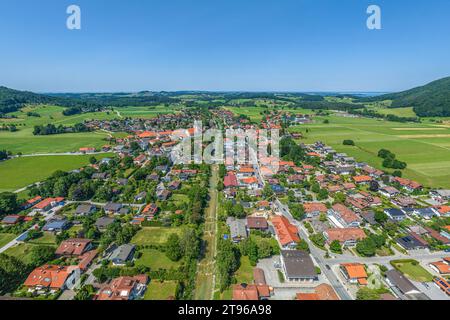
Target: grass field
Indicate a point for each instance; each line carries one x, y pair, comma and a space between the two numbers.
154, 235
412, 271
21, 172
425, 147
25, 142
160, 290
155, 260
6, 238
254, 113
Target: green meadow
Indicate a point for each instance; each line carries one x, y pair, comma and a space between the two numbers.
21, 172
425, 147
256, 113
25, 142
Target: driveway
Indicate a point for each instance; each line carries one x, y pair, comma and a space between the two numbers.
431, 290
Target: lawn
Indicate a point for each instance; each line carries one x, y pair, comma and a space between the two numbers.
424, 147
21, 172
160, 291
245, 272
21, 252
412, 270
5, 238
155, 260
154, 235
47, 238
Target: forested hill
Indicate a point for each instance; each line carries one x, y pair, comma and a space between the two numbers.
431, 100
12, 100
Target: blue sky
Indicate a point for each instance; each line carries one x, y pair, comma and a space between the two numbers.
247, 45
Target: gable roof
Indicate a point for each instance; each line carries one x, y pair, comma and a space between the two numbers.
73, 247
354, 270
345, 234
49, 276
286, 232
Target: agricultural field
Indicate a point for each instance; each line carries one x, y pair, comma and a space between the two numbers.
25, 142
21, 172
256, 113
425, 147
154, 235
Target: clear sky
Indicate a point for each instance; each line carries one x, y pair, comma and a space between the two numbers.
246, 45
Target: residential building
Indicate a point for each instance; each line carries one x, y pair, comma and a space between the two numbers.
238, 230
395, 214
124, 288
51, 278
347, 237
354, 273
257, 223
298, 266
343, 217
74, 247
122, 255
287, 233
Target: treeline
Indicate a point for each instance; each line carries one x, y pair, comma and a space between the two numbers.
13, 100
390, 117
49, 129
390, 160
4, 154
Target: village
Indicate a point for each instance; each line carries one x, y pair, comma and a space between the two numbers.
322, 227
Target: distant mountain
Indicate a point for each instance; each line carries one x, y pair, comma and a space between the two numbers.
431, 100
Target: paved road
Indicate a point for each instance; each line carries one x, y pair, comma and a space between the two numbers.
14, 242
316, 253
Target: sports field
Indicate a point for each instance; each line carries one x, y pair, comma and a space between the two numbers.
425, 147
21, 172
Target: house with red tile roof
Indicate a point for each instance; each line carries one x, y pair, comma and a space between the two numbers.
230, 180
362, 179
287, 233
31, 202
321, 292
354, 273
242, 292
409, 185
74, 247
347, 237
343, 217
441, 267
314, 209
52, 278
48, 204
123, 289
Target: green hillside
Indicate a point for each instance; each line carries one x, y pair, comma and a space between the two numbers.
431, 100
